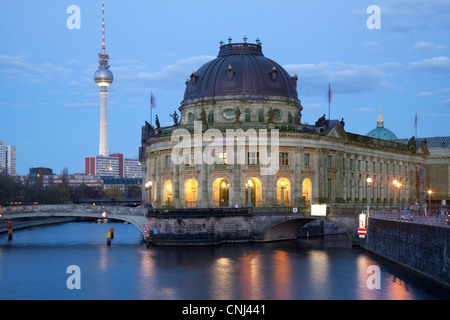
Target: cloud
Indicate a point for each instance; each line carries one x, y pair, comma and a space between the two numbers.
436, 64
445, 103
364, 109
424, 45
181, 69
15, 67
344, 78
80, 104
434, 93
373, 46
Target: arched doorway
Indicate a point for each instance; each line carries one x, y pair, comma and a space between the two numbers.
221, 193
284, 192
190, 193
168, 193
307, 191
253, 186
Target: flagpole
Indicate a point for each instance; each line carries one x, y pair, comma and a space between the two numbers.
151, 107
329, 100
415, 124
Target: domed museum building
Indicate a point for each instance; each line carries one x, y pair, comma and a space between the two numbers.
238, 140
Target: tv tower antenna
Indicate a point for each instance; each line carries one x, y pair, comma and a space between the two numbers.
103, 77
103, 27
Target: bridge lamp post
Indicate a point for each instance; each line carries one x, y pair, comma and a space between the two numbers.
282, 193
249, 185
397, 185
369, 181
430, 192
148, 186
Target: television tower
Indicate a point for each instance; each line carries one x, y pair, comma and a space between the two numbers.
103, 77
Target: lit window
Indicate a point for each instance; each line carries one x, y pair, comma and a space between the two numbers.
284, 159
253, 158
221, 158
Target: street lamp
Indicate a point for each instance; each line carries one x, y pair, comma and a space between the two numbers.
369, 181
282, 193
249, 184
429, 200
398, 185
148, 186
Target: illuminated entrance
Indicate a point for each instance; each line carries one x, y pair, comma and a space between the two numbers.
221, 193
284, 192
307, 191
168, 193
190, 193
253, 192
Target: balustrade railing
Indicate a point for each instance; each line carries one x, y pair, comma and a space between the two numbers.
82, 208
438, 216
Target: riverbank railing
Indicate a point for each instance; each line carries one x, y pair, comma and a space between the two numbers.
438, 216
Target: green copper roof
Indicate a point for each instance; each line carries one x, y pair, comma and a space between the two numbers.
380, 132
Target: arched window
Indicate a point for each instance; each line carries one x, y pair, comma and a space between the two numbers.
221, 193
190, 193
168, 193
307, 191
284, 192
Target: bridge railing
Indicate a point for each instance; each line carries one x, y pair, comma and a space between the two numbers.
81, 208
436, 216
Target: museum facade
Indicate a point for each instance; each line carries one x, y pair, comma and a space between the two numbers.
239, 141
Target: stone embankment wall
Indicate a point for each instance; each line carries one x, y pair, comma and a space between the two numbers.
423, 249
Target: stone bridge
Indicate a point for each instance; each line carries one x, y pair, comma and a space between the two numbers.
197, 226
135, 216
215, 226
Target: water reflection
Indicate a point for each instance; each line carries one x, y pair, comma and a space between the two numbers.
320, 268
222, 279
282, 275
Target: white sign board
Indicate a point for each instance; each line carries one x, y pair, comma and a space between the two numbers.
362, 220
295, 210
319, 210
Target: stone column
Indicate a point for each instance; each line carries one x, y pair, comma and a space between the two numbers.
203, 188
315, 183
296, 186
176, 186
157, 185
235, 188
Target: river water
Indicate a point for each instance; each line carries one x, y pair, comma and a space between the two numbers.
34, 265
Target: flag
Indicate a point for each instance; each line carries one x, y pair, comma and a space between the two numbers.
152, 101
329, 93
329, 100
415, 125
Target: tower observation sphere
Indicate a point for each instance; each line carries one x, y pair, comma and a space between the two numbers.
103, 77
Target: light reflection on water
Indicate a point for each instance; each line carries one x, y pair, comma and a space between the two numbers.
33, 266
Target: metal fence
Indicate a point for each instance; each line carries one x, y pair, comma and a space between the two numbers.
438, 216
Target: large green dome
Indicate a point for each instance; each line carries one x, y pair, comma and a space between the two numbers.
380, 132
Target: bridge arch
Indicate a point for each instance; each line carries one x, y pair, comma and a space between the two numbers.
289, 227
134, 216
